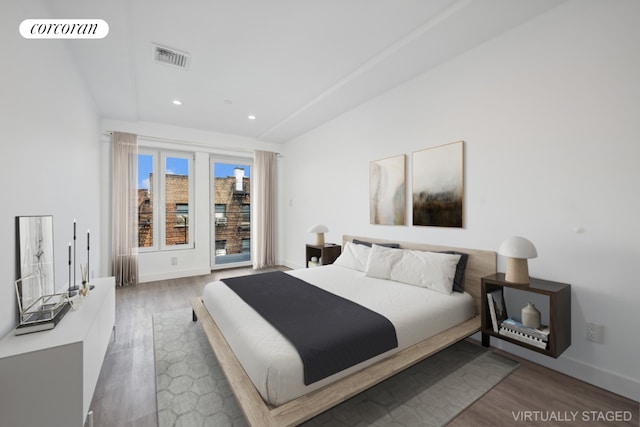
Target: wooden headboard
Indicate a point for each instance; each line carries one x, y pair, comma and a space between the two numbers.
480, 263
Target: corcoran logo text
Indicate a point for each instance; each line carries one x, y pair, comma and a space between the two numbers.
64, 29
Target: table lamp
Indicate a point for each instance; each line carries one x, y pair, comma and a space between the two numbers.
319, 229
517, 250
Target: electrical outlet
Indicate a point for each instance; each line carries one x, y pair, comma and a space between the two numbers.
595, 332
174, 260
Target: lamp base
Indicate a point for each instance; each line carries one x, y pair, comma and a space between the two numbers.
517, 271
320, 239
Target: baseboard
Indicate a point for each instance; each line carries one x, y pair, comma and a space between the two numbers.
594, 375
166, 275
602, 378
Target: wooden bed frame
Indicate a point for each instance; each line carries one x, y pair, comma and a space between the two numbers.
259, 413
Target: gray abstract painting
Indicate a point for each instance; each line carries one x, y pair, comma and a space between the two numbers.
387, 195
438, 186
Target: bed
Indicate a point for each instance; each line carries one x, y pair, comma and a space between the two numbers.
275, 395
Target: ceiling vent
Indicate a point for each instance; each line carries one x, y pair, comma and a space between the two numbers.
168, 56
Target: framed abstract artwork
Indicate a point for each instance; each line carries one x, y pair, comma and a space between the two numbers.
438, 185
387, 191
34, 258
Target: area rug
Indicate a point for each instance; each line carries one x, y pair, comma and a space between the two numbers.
192, 390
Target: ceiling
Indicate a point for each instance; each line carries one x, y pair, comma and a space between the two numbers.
293, 64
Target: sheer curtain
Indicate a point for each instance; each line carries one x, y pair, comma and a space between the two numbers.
124, 200
263, 195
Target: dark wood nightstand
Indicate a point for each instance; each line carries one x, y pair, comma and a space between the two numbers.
326, 253
559, 296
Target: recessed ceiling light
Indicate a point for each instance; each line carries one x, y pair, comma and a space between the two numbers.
177, 102
251, 117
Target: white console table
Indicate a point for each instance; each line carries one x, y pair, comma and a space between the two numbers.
48, 378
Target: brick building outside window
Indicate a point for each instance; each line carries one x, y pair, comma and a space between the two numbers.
232, 216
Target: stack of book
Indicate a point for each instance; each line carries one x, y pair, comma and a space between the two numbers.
497, 308
43, 319
536, 337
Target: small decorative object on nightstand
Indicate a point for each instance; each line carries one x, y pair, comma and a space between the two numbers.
530, 316
319, 229
517, 250
324, 254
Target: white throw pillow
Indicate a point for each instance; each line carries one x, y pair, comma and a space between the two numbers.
354, 257
431, 270
381, 260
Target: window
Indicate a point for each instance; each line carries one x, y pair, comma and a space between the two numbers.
246, 213
220, 215
230, 211
145, 196
165, 216
221, 247
182, 214
176, 196
180, 233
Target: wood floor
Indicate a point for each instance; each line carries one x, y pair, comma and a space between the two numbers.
530, 396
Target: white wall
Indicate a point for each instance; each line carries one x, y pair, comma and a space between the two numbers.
190, 262
549, 115
50, 150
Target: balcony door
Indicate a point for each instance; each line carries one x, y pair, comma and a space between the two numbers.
230, 213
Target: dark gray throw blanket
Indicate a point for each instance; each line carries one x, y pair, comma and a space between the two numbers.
329, 332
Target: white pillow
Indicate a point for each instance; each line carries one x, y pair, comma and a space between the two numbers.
430, 270
381, 260
354, 257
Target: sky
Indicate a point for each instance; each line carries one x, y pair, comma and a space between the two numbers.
178, 166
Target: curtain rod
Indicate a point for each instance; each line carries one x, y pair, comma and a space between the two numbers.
201, 144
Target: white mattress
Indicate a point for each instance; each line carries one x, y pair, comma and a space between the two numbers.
272, 362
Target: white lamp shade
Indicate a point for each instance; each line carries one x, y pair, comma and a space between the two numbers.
518, 247
318, 228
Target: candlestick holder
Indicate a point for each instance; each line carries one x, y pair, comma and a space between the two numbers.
88, 258
71, 292
73, 288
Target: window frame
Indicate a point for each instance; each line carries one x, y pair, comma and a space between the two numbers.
215, 231
158, 184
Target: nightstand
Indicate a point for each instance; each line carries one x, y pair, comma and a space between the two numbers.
559, 303
326, 253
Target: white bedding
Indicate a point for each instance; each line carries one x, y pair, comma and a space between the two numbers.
274, 365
